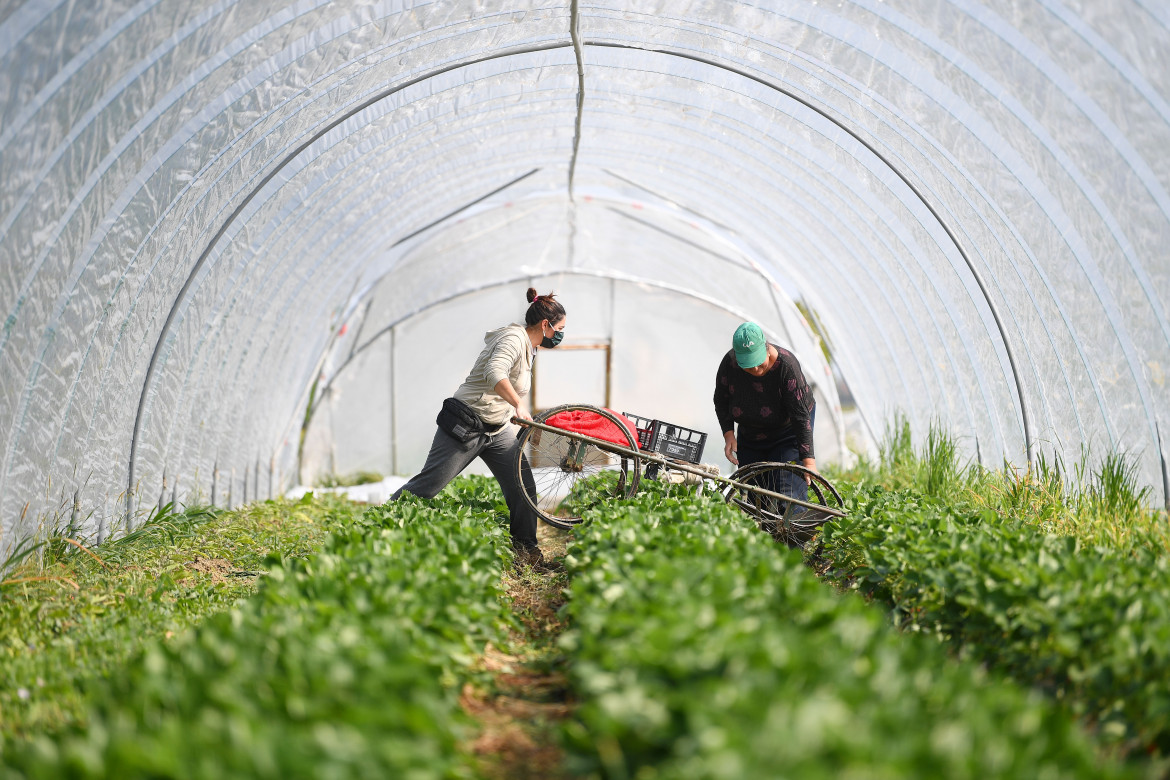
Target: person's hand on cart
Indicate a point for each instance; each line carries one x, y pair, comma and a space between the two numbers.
505, 390
729, 452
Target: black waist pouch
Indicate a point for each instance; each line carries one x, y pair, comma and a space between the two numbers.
458, 421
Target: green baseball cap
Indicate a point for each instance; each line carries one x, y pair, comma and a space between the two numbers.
751, 348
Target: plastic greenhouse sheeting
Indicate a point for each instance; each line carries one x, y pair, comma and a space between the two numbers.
198, 198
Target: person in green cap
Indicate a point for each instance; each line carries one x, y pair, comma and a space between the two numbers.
764, 405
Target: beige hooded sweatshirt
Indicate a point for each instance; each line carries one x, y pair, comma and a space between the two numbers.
507, 355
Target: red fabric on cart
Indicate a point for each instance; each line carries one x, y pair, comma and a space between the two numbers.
593, 424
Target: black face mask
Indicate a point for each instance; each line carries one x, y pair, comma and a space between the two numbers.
548, 343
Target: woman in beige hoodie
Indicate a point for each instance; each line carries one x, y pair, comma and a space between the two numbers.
495, 391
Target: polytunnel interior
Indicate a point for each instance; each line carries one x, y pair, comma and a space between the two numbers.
228, 225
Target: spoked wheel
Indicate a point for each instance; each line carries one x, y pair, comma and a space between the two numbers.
788, 522
552, 464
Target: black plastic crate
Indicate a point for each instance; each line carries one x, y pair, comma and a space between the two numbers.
645, 428
673, 441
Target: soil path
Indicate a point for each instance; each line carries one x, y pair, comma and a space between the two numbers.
520, 715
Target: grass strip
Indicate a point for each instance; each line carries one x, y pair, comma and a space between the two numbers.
68, 615
1090, 624
344, 664
703, 650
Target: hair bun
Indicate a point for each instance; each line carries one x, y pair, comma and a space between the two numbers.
543, 307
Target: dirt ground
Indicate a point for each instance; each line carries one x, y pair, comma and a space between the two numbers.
520, 714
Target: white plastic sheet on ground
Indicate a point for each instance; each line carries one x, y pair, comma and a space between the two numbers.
207, 207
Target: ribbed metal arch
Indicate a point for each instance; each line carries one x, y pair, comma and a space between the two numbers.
356, 110
1007, 169
247, 199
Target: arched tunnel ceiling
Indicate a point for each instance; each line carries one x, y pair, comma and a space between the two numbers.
195, 196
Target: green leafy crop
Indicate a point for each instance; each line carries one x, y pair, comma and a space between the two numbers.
701, 649
343, 664
1088, 623
71, 614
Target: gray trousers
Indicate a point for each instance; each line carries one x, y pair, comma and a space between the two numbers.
500, 452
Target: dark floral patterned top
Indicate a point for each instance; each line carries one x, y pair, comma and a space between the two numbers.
769, 407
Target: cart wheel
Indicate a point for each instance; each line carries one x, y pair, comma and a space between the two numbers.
790, 523
551, 466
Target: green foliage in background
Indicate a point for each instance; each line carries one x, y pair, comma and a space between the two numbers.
1101, 503
701, 649
817, 327
349, 480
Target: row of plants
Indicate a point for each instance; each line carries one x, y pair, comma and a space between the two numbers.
1100, 502
1062, 584
347, 663
699, 648
69, 613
